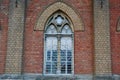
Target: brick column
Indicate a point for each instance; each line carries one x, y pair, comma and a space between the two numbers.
102, 40
15, 37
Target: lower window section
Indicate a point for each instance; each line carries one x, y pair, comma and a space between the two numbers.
51, 67
64, 66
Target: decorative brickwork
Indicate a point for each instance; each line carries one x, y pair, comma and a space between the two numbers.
15, 38
102, 38
77, 22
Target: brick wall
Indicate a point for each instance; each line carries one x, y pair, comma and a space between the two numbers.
83, 40
3, 32
34, 40
115, 36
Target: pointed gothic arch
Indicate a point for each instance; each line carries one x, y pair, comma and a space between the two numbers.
118, 25
76, 20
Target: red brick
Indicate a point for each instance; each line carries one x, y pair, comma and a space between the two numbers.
115, 36
3, 35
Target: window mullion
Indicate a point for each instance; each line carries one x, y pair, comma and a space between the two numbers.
58, 60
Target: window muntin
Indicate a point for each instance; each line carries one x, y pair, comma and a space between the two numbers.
58, 45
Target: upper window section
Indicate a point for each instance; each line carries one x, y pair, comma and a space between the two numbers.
51, 29
59, 19
58, 23
66, 29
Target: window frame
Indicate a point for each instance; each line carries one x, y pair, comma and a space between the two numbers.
71, 35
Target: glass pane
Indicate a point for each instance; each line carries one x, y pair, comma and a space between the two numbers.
69, 55
63, 55
69, 67
63, 67
48, 55
66, 29
54, 67
51, 43
66, 43
51, 29
54, 55
59, 20
48, 67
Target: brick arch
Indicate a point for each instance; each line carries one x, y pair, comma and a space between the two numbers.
76, 20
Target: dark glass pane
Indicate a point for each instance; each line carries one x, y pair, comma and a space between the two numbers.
48, 71
69, 67
54, 67
54, 55
63, 59
63, 55
69, 58
48, 67
48, 55
69, 53
54, 52
63, 52
63, 67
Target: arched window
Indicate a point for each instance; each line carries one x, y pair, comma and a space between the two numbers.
118, 25
58, 58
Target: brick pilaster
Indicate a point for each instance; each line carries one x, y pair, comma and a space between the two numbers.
15, 37
102, 37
